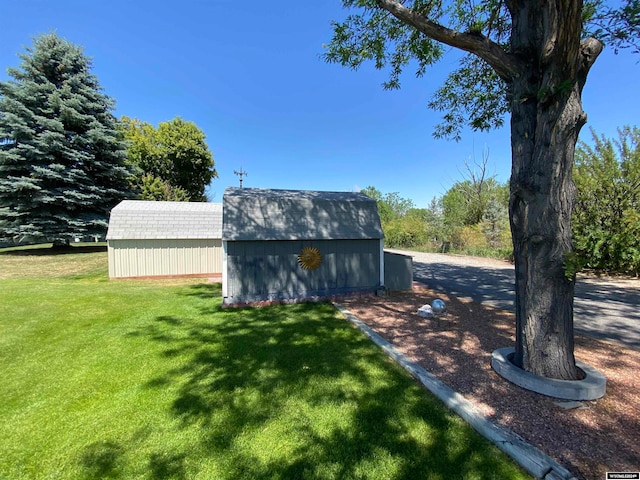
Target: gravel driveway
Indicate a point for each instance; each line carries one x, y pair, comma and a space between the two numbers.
604, 307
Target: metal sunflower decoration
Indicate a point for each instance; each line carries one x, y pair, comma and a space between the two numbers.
309, 258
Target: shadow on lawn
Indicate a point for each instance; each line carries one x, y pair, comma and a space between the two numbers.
293, 391
102, 459
48, 250
112, 459
107, 459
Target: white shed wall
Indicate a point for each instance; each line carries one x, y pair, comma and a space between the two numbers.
146, 258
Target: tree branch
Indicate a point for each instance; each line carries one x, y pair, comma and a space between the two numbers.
590, 48
505, 65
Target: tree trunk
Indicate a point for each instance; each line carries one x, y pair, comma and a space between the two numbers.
546, 118
546, 68
542, 197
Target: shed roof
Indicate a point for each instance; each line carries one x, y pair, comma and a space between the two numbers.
262, 214
149, 220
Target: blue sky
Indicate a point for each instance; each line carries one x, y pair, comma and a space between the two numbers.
251, 77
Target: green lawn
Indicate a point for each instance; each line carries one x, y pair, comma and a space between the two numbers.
152, 380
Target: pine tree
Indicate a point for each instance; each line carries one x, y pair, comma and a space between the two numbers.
62, 163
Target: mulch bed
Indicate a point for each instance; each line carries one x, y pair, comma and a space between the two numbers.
598, 437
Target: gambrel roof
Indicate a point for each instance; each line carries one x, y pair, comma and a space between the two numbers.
149, 220
263, 214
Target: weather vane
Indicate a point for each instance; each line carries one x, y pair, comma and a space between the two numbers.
241, 174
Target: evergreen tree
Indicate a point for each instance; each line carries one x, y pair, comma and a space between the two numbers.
62, 164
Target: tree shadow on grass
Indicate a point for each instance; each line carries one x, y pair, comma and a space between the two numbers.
108, 459
293, 391
103, 460
48, 250
163, 466
206, 291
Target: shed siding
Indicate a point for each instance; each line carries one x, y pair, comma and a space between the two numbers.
398, 271
144, 258
269, 270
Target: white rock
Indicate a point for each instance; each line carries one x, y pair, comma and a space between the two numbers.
425, 311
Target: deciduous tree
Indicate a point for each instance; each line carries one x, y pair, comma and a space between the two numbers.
530, 59
404, 226
174, 155
607, 214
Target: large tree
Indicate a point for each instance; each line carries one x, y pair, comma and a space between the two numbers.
529, 58
62, 165
173, 161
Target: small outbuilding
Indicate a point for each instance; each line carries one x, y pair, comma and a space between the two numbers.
150, 239
293, 244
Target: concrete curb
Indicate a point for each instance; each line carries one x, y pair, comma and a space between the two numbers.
530, 458
591, 387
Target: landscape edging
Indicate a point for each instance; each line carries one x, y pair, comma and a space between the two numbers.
530, 458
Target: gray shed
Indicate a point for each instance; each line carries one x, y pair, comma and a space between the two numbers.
292, 244
147, 238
